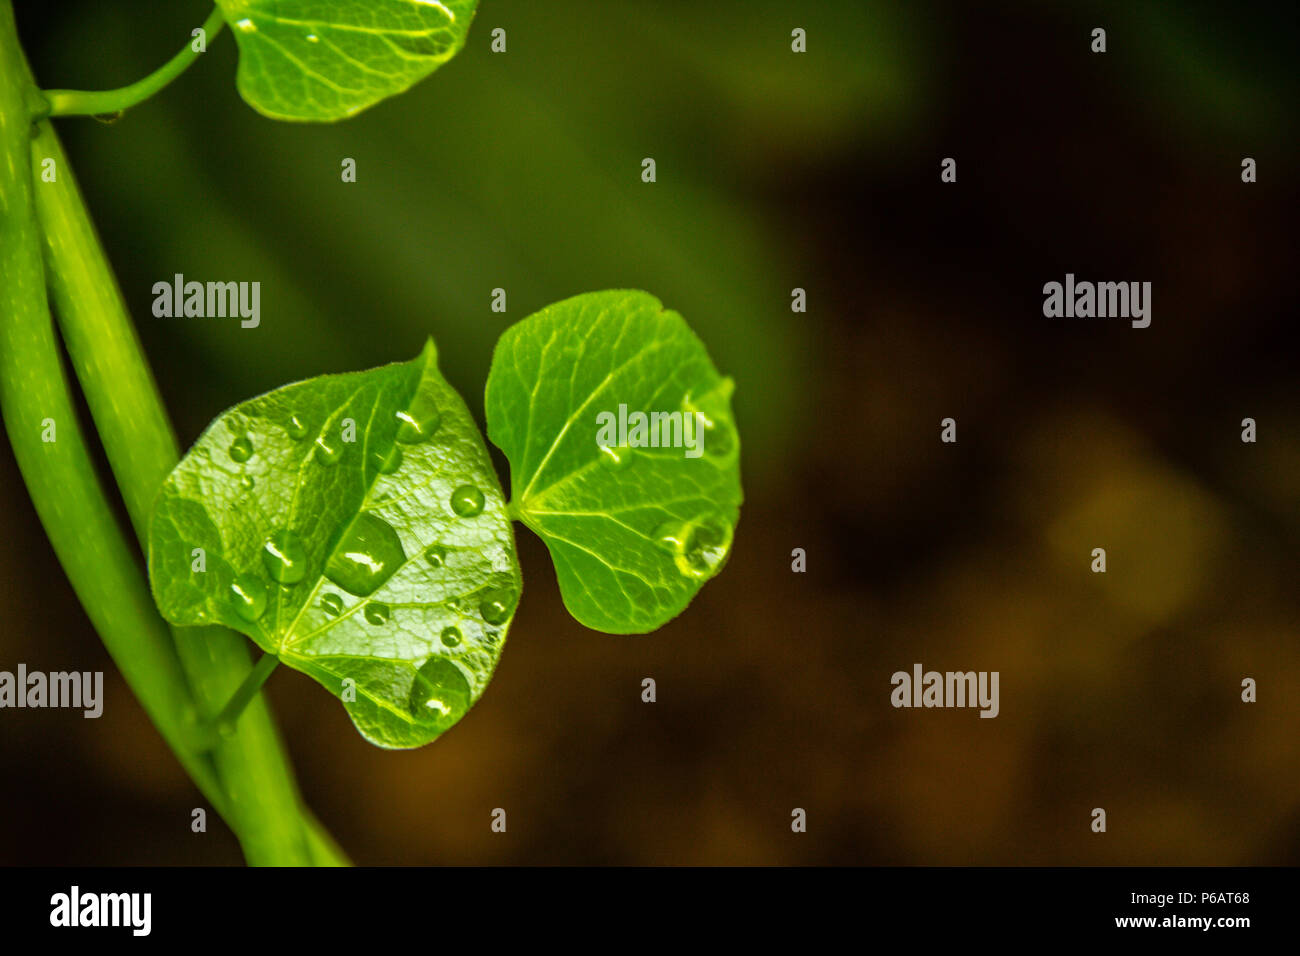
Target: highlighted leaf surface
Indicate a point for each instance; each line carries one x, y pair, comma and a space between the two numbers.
353, 525
637, 527
324, 60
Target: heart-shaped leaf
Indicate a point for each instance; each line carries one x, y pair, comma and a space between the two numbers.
324, 60
623, 452
353, 525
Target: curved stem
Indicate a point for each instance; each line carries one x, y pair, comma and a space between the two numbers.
101, 102
141, 449
52, 453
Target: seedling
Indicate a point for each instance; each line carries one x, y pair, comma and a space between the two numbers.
351, 525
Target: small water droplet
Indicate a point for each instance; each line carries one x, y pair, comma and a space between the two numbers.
296, 428
668, 536
285, 557
388, 463
719, 440
377, 613
108, 119
418, 422
327, 452
436, 555
496, 606
241, 449
705, 548
451, 636
440, 693
246, 482
467, 501
313, 38
619, 456
331, 604
248, 594
366, 557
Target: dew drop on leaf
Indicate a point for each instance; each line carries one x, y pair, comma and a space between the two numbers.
284, 557
615, 457
327, 452
248, 594
331, 604
497, 606
451, 636
366, 557
296, 428
436, 555
418, 422
241, 449
377, 613
707, 542
440, 693
246, 482
390, 462
467, 501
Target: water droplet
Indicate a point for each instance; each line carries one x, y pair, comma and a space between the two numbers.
285, 557
440, 693
705, 548
615, 456
246, 482
436, 555
451, 636
467, 501
241, 449
327, 452
719, 440
388, 463
419, 421
313, 38
248, 594
331, 604
497, 606
366, 557
377, 613
108, 119
668, 536
296, 428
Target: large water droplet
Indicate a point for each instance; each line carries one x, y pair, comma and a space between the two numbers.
328, 451
436, 555
331, 604
285, 557
296, 428
451, 636
615, 456
440, 693
241, 449
705, 547
248, 594
366, 557
467, 501
388, 463
497, 605
377, 613
418, 422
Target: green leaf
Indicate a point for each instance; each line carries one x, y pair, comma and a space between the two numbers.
634, 530
325, 60
353, 525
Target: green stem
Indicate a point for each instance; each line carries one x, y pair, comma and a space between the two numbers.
224, 723
142, 450
101, 102
59, 473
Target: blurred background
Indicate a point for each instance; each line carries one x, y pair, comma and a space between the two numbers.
775, 170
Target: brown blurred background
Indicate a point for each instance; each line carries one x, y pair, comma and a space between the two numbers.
775, 170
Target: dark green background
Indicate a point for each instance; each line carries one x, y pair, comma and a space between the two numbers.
775, 170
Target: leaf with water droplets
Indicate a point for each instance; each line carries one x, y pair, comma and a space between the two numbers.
353, 525
323, 60
623, 452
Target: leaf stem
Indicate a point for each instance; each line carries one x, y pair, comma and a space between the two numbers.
58, 472
224, 723
101, 102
